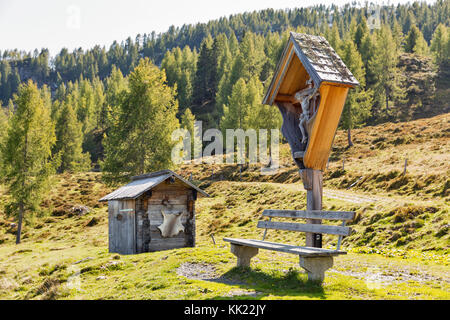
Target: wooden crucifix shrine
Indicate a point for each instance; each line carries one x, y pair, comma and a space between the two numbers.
310, 87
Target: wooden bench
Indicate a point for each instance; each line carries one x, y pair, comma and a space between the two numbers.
314, 260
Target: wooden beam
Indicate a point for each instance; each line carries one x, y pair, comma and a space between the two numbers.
311, 228
285, 98
301, 251
313, 183
299, 155
310, 214
275, 86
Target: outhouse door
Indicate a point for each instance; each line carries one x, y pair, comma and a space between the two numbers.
122, 226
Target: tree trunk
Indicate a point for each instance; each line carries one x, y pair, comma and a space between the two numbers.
387, 102
19, 225
349, 137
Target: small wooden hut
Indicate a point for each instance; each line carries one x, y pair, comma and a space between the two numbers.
153, 212
310, 86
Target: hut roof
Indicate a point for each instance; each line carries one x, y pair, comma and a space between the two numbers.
141, 184
318, 58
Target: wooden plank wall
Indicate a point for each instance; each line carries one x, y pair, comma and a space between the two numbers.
142, 224
172, 198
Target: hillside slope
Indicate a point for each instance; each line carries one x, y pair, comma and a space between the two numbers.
392, 209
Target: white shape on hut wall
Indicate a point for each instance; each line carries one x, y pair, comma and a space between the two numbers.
172, 225
156, 218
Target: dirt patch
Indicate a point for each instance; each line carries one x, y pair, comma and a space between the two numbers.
204, 271
198, 271
377, 277
208, 272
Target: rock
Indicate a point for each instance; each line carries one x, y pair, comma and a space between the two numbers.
80, 210
83, 260
58, 212
94, 221
27, 280
101, 278
111, 265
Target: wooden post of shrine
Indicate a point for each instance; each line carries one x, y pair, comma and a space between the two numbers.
313, 183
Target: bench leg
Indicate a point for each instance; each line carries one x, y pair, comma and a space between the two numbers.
243, 254
316, 267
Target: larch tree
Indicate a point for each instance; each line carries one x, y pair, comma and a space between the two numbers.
440, 44
415, 42
359, 100
388, 80
180, 67
237, 113
116, 84
140, 139
261, 116
69, 140
188, 123
3, 126
27, 153
238, 108
333, 36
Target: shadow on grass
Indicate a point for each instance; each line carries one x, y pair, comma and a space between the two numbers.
276, 284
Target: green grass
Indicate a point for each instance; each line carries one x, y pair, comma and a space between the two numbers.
44, 274
45, 267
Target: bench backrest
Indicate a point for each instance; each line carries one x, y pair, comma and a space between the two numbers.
341, 231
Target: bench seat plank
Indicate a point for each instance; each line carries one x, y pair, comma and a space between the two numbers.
313, 228
310, 214
301, 251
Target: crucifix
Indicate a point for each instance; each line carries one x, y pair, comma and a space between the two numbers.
309, 87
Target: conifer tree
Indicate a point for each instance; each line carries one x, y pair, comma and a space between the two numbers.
388, 80
139, 140
27, 160
397, 33
238, 108
358, 103
415, 42
251, 56
180, 67
362, 30
205, 86
69, 139
440, 44
188, 123
3, 126
333, 37
116, 84
261, 116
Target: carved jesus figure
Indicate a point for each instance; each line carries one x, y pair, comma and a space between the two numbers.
304, 97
